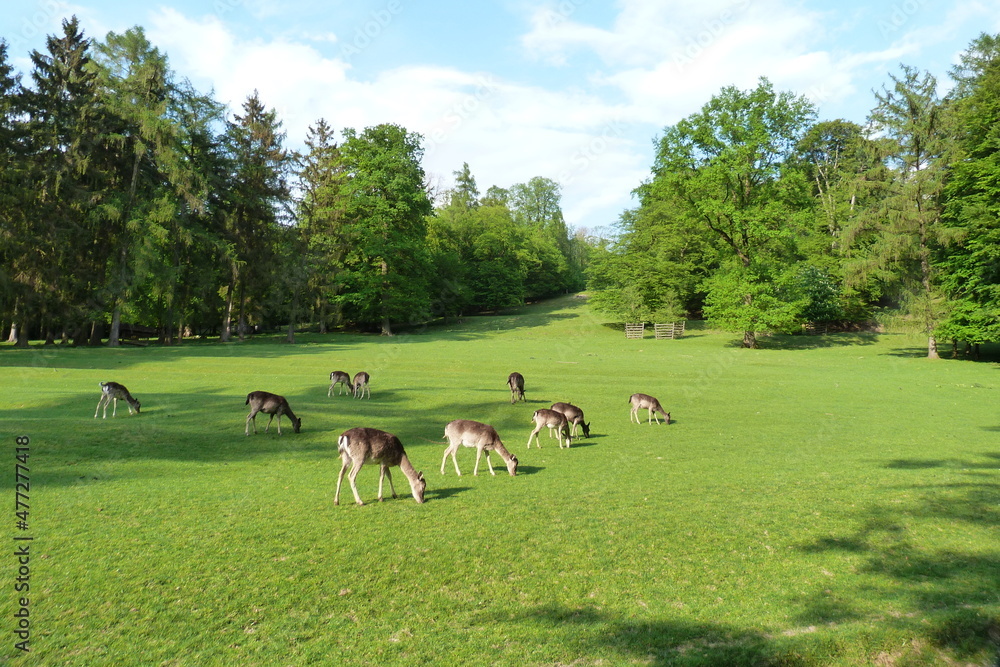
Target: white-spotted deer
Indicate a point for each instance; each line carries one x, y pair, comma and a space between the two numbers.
112, 391
361, 385
552, 420
481, 436
575, 417
646, 402
516, 383
269, 404
358, 446
341, 378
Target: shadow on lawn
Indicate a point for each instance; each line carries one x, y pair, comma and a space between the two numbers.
593, 633
802, 342
947, 592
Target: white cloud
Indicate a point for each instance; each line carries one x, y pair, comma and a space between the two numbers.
508, 132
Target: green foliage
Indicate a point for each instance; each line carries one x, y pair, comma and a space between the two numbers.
756, 299
726, 168
387, 268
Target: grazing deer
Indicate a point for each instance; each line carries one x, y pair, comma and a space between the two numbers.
553, 420
361, 384
574, 415
516, 383
269, 404
112, 391
481, 436
358, 446
341, 378
646, 402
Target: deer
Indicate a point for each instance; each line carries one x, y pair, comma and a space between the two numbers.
358, 446
574, 415
361, 384
269, 404
341, 378
646, 402
553, 420
481, 436
516, 383
112, 391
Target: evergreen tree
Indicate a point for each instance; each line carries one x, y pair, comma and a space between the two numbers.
906, 224
321, 208
257, 193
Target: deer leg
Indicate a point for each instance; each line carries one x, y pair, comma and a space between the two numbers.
252, 417
343, 469
652, 416
279, 424
386, 474
99, 401
489, 463
266, 428
534, 434
114, 410
351, 476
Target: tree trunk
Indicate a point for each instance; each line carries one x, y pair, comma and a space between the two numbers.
95, 334
12, 338
750, 340
227, 319
116, 323
22, 335
932, 352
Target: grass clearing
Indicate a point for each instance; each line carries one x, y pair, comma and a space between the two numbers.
824, 501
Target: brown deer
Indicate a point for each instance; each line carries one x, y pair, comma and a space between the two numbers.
361, 384
646, 402
358, 446
341, 378
574, 415
516, 383
481, 436
553, 420
269, 404
112, 391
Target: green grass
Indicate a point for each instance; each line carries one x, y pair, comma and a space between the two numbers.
824, 501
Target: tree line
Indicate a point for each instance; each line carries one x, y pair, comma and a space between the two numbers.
129, 199
761, 218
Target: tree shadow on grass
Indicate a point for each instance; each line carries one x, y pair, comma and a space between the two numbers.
948, 592
598, 637
803, 342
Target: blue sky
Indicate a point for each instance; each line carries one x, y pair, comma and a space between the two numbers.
573, 90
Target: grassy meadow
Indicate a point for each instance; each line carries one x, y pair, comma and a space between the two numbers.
825, 500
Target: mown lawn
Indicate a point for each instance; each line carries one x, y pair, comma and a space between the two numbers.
823, 501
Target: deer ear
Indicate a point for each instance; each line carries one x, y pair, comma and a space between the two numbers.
420, 476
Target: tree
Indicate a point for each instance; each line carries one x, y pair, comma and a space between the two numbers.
257, 194
905, 225
64, 267
970, 266
726, 168
321, 210
386, 272
144, 161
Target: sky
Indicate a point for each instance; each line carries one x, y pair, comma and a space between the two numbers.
572, 90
